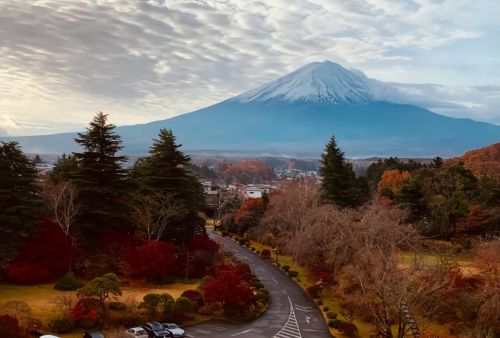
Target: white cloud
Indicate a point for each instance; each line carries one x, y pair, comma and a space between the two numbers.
145, 60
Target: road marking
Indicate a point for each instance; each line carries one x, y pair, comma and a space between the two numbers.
291, 328
241, 332
274, 279
308, 319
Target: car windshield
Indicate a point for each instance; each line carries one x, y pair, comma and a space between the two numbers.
171, 326
141, 332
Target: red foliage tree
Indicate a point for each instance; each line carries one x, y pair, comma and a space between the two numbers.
87, 312
248, 206
228, 286
202, 243
153, 260
247, 171
9, 327
26, 274
194, 296
50, 249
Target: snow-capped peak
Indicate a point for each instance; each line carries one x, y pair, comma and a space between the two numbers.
318, 82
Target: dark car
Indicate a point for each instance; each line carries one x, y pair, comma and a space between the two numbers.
93, 334
156, 330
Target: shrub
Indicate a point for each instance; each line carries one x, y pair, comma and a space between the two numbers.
331, 315
242, 241
333, 323
319, 301
227, 285
266, 253
348, 329
87, 312
262, 294
183, 304
68, 283
286, 268
117, 306
152, 261
293, 273
225, 233
326, 308
60, 325
278, 265
314, 291
9, 327
194, 296
27, 274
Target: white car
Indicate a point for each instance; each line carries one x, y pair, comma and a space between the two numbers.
174, 329
136, 332
49, 336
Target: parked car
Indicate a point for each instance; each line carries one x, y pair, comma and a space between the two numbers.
155, 330
48, 336
174, 329
93, 334
136, 332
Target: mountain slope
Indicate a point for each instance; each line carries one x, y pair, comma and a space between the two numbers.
296, 114
483, 162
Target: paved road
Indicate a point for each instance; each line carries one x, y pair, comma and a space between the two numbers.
290, 314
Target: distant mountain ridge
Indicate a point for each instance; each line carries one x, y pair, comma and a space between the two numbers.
295, 115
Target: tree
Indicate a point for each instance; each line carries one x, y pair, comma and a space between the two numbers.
154, 260
100, 179
340, 185
392, 181
101, 288
164, 172
65, 169
228, 286
61, 198
19, 201
153, 213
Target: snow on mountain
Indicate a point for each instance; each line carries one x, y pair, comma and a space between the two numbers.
330, 82
316, 82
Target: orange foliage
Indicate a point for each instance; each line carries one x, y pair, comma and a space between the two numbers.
248, 171
393, 179
482, 162
247, 206
474, 222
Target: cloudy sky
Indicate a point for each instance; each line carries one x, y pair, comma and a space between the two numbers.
63, 60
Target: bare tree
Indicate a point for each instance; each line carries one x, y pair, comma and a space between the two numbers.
153, 213
61, 197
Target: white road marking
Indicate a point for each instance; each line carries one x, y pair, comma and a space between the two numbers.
274, 279
291, 328
236, 334
308, 319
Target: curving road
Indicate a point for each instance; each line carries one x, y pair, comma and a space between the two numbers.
290, 314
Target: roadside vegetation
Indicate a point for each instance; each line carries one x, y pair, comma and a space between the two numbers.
404, 244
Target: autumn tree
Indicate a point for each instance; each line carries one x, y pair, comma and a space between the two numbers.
392, 182
100, 179
340, 185
253, 171
19, 199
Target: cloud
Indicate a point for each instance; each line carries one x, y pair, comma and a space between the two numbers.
147, 60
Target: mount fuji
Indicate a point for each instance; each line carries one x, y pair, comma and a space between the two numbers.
296, 114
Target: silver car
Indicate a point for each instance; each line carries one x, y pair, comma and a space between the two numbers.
136, 332
174, 329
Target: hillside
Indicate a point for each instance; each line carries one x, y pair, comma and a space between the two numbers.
483, 162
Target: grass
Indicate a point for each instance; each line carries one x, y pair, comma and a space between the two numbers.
40, 297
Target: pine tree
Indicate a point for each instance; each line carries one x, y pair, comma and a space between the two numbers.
165, 171
340, 185
100, 179
65, 169
19, 202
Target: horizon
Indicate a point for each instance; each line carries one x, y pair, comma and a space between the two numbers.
146, 61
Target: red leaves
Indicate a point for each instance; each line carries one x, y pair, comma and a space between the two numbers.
202, 243
228, 285
49, 250
87, 309
153, 260
9, 327
27, 274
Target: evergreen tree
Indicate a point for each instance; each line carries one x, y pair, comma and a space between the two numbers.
100, 179
65, 169
340, 185
165, 171
19, 202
